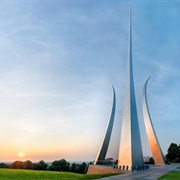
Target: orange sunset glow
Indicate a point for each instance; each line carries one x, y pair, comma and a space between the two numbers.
21, 155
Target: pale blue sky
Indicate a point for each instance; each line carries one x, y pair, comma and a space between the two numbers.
57, 62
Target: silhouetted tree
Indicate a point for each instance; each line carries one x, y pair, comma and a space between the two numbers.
28, 164
151, 160
86, 169
173, 154
60, 165
82, 168
41, 165
73, 167
3, 165
17, 165
79, 168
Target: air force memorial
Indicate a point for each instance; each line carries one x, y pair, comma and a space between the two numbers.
130, 150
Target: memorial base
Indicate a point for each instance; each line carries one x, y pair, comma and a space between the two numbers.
97, 169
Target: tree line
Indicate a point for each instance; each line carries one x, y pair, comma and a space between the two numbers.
173, 154
57, 165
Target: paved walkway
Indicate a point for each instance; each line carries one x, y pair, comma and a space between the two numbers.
152, 173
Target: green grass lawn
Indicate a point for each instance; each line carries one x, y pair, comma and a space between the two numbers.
17, 174
173, 175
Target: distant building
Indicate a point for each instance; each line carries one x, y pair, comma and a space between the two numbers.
146, 159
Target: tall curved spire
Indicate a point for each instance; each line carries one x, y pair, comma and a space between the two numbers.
104, 147
130, 151
152, 138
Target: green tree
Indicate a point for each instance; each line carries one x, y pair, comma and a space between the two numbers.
60, 165
82, 168
151, 160
173, 154
79, 168
3, 165
73, 167
41, 165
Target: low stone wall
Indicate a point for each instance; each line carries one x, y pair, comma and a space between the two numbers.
95, 169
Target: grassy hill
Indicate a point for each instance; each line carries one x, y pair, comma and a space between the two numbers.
17, 174
173, 175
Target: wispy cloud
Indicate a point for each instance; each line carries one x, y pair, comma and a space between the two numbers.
27, 129
58, 61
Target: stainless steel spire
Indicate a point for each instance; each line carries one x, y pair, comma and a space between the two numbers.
104, 147
152, 138
130, 151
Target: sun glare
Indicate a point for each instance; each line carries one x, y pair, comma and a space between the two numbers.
21, 155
